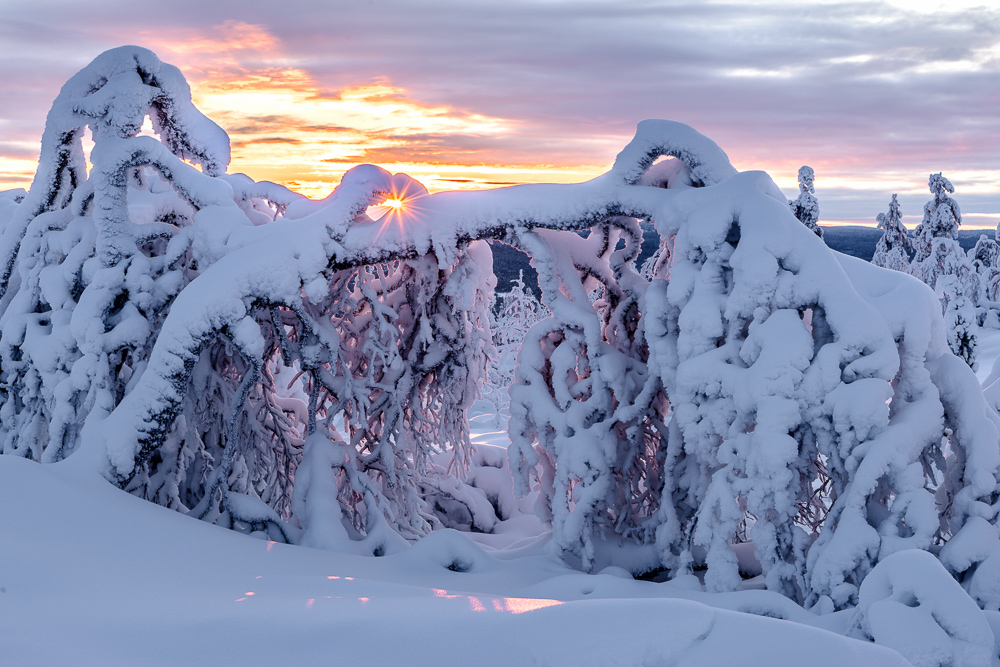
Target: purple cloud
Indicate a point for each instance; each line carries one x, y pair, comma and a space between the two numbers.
857, 90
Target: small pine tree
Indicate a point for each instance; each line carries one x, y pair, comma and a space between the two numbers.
941, 218
984, 254
937, 251
894, 248
806, 207
990, 277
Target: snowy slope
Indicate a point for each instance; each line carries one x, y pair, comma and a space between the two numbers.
91, 575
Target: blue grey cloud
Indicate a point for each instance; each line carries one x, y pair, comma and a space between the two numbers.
863, 86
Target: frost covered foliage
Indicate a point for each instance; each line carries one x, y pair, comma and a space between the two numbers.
892, 250
984, 253
959, 318
380, 354
936, 249
86, 271
805, 207
513, 313
985, 258
760, 380
274, 363
395, 353
9, 199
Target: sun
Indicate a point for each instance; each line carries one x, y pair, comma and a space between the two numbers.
395, 204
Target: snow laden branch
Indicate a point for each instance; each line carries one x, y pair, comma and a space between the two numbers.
89, 282
297, 267
294, 259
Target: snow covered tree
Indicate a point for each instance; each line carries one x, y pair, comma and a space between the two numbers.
942, 216
892, 250
937, 251
738, 330
984, 253
513, 313
939, 255
85, 280
805, 207
985, 258
96, 262
960, 319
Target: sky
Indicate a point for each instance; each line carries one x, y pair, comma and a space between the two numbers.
464, 94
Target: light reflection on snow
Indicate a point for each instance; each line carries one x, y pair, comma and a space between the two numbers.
521, 605
503, 605
479, 604
444, 594
270, 543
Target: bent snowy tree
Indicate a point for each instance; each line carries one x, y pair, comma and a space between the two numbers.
314, 364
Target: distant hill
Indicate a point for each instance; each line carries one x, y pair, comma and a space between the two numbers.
860, 241
855, 241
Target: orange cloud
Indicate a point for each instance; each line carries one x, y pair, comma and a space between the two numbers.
284, 128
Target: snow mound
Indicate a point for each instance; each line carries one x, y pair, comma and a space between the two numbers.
910, 603
112, 575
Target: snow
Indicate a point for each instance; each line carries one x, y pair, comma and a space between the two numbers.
90, 575
911, 603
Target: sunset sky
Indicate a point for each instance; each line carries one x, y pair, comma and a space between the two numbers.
872, 95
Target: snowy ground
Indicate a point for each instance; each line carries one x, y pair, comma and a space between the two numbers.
91, 575
987, 351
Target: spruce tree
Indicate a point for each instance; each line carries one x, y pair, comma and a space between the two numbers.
806, 207
894, 248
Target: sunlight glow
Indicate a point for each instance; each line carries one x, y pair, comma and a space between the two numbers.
503, 605
16, 172
522, 605
286, 127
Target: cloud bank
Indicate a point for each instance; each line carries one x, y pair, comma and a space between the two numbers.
871, 95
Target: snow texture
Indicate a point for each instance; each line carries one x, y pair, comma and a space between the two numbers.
78, 557
910, 603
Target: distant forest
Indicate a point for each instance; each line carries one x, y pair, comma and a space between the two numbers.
859, 242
